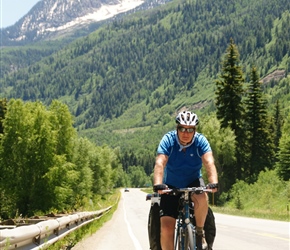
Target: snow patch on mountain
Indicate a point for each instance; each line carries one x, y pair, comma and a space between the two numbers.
54, 19
104, 12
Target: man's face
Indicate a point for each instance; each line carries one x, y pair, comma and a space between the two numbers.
185, 133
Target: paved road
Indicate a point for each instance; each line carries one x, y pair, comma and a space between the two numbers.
241, 233
127, 230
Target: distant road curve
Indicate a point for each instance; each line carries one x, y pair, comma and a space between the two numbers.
127, 230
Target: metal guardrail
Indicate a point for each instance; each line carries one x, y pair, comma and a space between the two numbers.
45, 233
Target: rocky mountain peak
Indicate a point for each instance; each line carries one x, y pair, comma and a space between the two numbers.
49, 17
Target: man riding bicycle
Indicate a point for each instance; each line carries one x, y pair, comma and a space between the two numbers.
180, 156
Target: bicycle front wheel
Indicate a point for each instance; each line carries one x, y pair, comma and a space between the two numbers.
185, 239
189, 237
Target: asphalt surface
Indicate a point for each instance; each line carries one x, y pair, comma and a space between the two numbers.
127, 230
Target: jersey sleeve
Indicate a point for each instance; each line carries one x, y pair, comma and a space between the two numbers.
203, 145
164, 146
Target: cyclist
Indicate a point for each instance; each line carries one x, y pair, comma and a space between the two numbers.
180, 156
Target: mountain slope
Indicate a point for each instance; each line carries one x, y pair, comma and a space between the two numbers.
134, 74
51, 19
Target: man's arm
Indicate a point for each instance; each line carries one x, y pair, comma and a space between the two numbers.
208, 162
160, 164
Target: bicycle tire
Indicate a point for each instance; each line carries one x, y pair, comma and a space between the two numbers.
179, 239
189, 237
186, 239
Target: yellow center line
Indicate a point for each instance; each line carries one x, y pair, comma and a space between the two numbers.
272, 236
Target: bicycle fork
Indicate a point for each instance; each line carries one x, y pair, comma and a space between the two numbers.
186, 232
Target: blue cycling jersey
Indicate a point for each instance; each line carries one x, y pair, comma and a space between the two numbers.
183, 166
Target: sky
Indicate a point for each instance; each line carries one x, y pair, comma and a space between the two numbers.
12, 10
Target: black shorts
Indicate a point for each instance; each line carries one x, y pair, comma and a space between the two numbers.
169, 203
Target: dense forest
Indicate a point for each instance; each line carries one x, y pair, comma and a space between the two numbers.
122, 86
177, 48
168, 57
46, 167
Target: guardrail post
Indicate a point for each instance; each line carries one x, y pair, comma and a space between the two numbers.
36, 240
56, 231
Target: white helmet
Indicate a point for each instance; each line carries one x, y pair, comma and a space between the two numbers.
187, 118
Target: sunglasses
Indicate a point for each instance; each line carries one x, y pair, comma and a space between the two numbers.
188, 130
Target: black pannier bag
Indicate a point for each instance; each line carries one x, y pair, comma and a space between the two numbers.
209, 228
154, 226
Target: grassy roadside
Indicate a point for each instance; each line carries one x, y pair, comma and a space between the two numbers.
112, 200
73, 238
254, 211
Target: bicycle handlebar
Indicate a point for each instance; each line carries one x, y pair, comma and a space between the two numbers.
196, 190
175, 191
207, 188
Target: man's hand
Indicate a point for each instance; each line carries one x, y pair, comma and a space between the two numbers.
158, 187
213, 186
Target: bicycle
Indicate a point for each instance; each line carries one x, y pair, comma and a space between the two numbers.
185, 234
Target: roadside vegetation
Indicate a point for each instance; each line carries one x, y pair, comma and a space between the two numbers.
267, 198
73, 238
125, 83
45, 165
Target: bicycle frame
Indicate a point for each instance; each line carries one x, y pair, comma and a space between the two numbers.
185, 230
185, 237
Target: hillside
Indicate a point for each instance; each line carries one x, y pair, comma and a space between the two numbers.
125, 81
52, 19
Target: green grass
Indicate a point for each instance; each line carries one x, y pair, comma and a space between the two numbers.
110, 200
255, 213
87, 230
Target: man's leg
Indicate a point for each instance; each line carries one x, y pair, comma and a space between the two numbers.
200, 212
167, 232
168, 214
200, 208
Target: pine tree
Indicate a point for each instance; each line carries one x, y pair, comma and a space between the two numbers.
278, 123
257, 125
230, 110
3, 110
230, 90
283, 164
